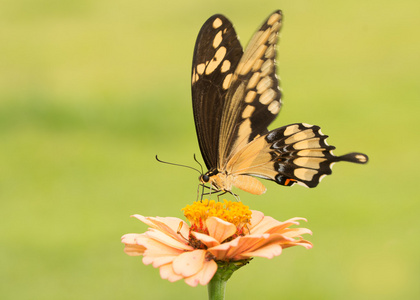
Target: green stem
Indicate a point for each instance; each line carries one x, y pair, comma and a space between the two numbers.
217, 285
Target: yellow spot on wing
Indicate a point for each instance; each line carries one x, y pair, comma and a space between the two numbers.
272, 39
217, 23
312, 152
249, 109
361, 158
250, 96
264, 84
270, 52
309, 162
201, 68
267, 96
217, 39
227, 81
255, 78
225, 66
305, 174
307, 144
291, 129
257, 65
217, 59
267, 67
273, 19
306, 134
274, 107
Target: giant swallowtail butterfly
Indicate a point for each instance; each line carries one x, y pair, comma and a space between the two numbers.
235, 96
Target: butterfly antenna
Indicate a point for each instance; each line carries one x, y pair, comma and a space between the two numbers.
169, 163
201, 167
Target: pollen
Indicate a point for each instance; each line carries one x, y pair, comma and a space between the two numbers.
233, 212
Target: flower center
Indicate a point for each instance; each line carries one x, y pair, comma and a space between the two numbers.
233, 212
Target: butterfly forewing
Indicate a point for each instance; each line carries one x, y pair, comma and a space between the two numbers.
254, 98
216, 55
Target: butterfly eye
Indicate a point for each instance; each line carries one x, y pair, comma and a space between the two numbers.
205, 178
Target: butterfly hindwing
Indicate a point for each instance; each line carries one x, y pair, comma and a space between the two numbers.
296, 153
216, 55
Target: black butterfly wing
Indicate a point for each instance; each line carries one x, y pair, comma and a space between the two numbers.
216, 55
254, 98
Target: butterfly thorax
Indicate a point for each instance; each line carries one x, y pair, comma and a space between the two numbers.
223, 181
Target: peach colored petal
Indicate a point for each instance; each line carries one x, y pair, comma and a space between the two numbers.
283, 225
158, 261
167, 272
235, 248
130, 238
264, 225
134, 238
168, 225
268, 251
166, 239
248, 244
295, 232
204, 276
132, 247
304, 243
158, 253
256, 218
189, 263
205, 239
220, 229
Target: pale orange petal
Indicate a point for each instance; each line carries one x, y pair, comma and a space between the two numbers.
132, 247
235, 248
134, 239
220, 229
158, 261
168, 225
264, 225
295, 232
268, 251
158, 253
304, 243
167, 272
256, 218
205, 239
204, 276
130, 238
283, 225
189, 263
166, 239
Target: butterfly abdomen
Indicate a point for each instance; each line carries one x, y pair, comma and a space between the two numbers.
225, 182
248, 184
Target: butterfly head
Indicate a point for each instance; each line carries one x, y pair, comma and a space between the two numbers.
217, 180
205, 178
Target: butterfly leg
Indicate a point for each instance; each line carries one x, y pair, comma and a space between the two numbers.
202, 191
230, 192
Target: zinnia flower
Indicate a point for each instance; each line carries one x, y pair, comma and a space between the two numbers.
219, 233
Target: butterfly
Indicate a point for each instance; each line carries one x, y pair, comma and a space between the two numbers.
235, 96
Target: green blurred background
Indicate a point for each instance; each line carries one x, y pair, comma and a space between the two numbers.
92, 90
